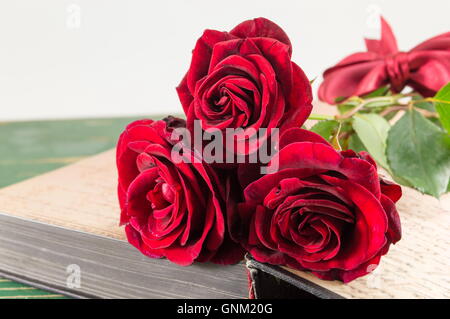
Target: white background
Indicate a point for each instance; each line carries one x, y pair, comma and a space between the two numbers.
92, 58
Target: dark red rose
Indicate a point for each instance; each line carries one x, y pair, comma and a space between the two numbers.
173, 210
245, 79
324, 211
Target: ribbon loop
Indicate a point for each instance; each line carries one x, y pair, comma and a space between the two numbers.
425, 68
397, 68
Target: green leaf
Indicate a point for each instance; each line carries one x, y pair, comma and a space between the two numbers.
344, 108
382, 91
419, 152
339, 99
372, 130
381, 102
325, 128
419, 102
402, 181
320, 117
442, 102
354, 143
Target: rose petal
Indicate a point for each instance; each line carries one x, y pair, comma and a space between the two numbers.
261, 27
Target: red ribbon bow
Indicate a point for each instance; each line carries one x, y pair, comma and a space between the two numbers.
425, 68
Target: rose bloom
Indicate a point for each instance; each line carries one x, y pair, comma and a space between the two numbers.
173, 210
245, 79
324, 211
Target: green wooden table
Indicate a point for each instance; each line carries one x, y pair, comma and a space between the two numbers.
28, 149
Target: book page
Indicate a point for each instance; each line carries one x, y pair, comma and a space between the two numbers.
81, 196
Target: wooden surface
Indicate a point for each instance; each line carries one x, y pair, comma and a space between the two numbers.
31, 148
14, 290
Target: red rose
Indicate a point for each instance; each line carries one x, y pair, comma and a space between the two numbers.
245, 79
323, 210
173, 210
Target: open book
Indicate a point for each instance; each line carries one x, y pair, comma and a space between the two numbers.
60, 231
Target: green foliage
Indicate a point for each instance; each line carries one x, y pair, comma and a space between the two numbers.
347, 106
419, 152
354, 143
372, 130
414, 149
442, 104
325, 128
382, 91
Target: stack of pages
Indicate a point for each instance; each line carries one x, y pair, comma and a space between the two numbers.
60, 231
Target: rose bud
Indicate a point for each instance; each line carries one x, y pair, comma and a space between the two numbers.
245, 79
323, 211
172, 210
